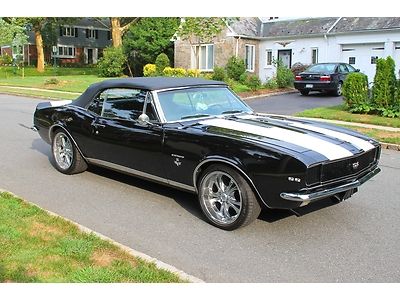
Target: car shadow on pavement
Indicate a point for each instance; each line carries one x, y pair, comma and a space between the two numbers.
186, 200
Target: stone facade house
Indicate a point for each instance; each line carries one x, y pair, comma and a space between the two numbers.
358, 41
241, 39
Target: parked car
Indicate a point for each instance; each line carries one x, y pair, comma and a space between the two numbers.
198, 136
324, 77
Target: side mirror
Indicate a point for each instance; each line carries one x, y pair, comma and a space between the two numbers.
144, 120
357, 70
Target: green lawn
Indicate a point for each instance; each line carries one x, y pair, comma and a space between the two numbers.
70, 83
339, 113
37, 247
380, 135
8, 72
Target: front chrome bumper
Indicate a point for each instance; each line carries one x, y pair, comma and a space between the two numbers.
308, 197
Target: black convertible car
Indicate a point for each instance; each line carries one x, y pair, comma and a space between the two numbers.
324, 77
197, 135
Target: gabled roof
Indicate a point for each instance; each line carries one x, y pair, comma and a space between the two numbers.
365, 23
298, 27
247, 27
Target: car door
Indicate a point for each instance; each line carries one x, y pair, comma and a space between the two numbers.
343, 71
117, 139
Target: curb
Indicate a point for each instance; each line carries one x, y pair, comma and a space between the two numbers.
269, 95
39, 90
389, 146
161, 265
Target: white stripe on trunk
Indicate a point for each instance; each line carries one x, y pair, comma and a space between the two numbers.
327, 149
357, 142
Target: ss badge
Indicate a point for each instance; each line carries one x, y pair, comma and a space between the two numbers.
177, 159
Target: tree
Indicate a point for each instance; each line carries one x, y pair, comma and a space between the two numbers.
198, 30
11, 29
148, 38
118, 27
38, 26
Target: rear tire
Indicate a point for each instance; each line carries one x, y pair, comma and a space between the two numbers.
226, 198
67, 158
338, 91
304, 92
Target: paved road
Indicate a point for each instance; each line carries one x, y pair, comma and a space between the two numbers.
357, 240
290, 104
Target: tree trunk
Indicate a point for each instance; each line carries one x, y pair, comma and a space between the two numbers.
40, 52
116, 33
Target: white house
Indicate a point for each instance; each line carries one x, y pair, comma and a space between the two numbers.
357, 41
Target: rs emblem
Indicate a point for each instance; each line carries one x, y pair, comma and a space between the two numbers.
177, 159
355, 165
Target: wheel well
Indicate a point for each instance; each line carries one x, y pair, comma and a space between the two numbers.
199, 171
56, 127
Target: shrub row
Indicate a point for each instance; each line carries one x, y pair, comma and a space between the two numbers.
384, 97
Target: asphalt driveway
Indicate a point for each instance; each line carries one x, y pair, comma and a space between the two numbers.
354, 241
289, 104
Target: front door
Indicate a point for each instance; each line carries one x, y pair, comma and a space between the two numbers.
90, 56
286, 57
117, 139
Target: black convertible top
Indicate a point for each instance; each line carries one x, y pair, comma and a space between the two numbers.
145, 83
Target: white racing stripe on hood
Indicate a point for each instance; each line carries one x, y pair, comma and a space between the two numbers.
359, 143
60, 103
327, 149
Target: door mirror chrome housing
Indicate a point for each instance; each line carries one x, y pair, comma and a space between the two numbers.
144, 120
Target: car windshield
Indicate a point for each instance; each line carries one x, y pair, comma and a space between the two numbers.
322, 68
199, 102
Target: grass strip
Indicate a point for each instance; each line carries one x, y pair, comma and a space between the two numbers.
38, 247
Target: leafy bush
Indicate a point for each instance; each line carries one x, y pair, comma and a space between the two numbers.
284, 76
219, 74
112, 63
236, 86
6, 60
52, 80
298, 68
235, 67
383, 91
162, 61
271, 84
206, 75
174, 72
355, 93
253, 82
243, 78
149, 70
193, 73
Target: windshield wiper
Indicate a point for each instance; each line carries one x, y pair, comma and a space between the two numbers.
195, 116
231, 112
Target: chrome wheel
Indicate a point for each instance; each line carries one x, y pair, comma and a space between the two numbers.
339, 89
63, 151
221, 197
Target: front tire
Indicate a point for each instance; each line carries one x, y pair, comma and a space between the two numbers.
66, 156
226, 198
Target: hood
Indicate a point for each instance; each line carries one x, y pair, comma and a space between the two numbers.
320, 141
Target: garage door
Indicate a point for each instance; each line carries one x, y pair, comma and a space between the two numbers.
363, 57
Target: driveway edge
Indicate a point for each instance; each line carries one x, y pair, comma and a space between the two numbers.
160, 264
269, 95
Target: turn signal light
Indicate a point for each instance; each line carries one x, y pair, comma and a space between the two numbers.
325, 78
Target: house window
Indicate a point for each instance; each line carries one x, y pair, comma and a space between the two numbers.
314, 55
250, 57
205, 55
92, 33
65, 51
268, 57
352, 60
69, 31
373, 60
